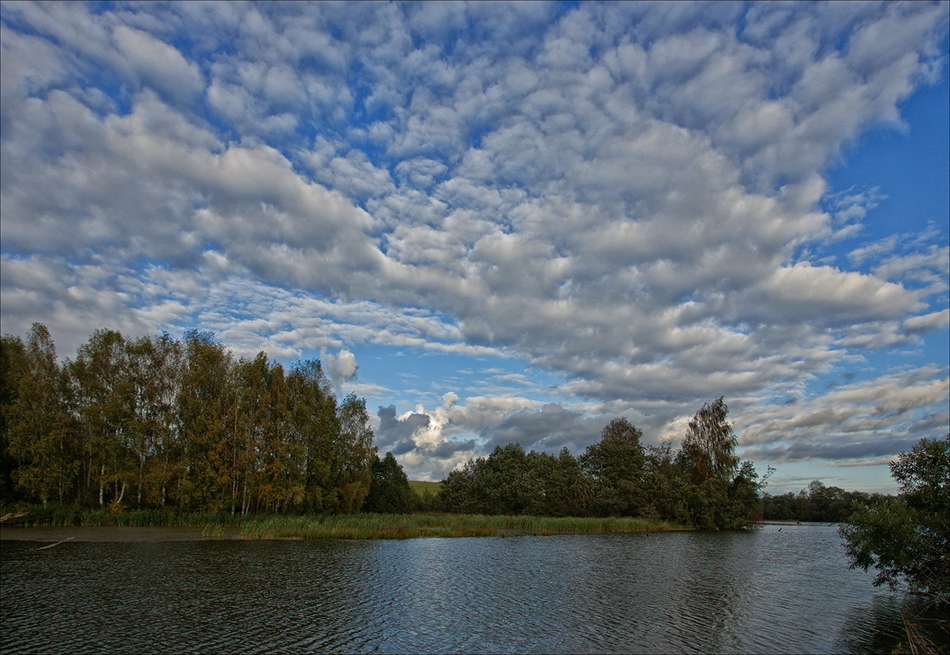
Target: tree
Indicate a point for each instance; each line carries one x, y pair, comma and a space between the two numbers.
744, 503
829, 504
160, 422
508, 481
354, 455
616, 464
155, 368
510, 487
568, 491
314, 424
389, 490
907, 538
207, 413
460, 491
266, 452
722, 494
499, 483
10, 348
39, 427
709, 445
666, 484
103, 394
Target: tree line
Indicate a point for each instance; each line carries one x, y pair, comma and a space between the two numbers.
701, 484
157, 422
819, 503
160, 422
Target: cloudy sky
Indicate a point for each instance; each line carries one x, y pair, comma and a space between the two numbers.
506, 222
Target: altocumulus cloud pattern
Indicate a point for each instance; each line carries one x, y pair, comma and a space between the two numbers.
543, 215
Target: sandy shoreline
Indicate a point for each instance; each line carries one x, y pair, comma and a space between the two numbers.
114, 534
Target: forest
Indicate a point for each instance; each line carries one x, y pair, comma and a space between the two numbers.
821, 503
156, 422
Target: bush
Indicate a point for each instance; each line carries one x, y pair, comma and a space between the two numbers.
907, 538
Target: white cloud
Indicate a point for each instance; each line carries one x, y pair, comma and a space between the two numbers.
340, 367
928, 322
824, 291
628, 196
876, 417
159, 64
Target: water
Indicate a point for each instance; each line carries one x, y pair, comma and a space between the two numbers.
768, 590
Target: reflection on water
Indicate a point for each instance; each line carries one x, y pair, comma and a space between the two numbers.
770, 590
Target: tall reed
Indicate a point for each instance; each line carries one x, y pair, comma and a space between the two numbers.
404, 526
69, 515
340, 526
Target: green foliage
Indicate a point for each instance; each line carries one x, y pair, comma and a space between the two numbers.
405, 526
315, 424
57, 515
616, 465
667, 487
499, 484
743, 497
708, 448
818, 503
427, 495
389, 490
103, 399
569, 491
353, 455
704, 487
924, 476
907, 538
9, 349
159, 423
722, 494
39, 427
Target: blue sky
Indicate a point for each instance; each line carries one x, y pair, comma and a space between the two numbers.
506, 222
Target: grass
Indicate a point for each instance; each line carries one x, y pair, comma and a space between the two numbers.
340, 526
68, 515
407, 526
423, 488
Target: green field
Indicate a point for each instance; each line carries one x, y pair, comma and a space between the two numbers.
422, 488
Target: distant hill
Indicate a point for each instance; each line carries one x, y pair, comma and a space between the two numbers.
422, 488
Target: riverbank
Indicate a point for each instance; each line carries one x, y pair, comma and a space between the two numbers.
115, 534
345, 526
406, 526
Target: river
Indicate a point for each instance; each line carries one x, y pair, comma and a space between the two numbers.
776, 589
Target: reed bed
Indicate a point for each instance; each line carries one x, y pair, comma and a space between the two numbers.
338, 526
64, 515
407, 526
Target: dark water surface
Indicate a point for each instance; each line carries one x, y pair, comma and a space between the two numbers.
770, 590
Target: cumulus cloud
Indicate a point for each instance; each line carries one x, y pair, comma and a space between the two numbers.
425, 442
341, 367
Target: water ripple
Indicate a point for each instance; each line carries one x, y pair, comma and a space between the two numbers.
685, 592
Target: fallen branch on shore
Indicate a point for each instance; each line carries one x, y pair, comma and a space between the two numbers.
57, 543
11, 516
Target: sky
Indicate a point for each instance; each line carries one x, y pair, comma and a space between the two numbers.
506, 222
